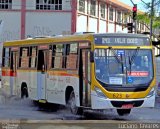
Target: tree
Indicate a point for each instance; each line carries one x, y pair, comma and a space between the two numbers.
150, 15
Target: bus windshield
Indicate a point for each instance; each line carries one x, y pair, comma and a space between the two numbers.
123, 66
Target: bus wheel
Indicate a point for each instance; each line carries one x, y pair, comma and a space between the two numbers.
24, 92
72, 105
123, 112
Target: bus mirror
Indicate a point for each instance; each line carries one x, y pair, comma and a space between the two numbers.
91, 57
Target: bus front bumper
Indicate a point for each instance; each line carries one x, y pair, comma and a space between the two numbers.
106, 103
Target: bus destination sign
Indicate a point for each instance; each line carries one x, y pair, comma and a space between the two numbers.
128, 41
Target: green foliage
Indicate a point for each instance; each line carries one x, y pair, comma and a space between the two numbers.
145, 17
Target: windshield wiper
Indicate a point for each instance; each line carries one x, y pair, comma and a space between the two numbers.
117, 59
131, 59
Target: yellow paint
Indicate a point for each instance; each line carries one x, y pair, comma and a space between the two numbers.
42, 101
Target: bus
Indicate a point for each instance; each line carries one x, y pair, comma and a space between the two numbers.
84, 72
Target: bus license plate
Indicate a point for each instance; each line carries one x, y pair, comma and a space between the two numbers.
127, 106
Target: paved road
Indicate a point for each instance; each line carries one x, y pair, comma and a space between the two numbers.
15, 108
23, 114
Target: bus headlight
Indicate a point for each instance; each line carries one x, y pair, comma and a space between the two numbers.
151, 93
99, 92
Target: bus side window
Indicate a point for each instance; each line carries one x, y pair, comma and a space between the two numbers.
57, 56
72, 56
33, 57
6, 57
50, 57
24, 57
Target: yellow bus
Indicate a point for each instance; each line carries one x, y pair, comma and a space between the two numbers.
85, 71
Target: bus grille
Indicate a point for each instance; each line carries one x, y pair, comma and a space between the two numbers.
118, 104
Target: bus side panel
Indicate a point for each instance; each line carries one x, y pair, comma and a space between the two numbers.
56, 88
23, 79
32, 88
5, 84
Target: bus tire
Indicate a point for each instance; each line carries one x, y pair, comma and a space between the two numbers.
72, 105
122, 112
24, 92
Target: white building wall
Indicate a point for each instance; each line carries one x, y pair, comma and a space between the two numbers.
92, 25
102, 26
118, 28
47, 24
111, 27
11, 25
16, 4
81, 23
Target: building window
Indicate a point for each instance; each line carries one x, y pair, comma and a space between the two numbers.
119, 17
82, 6
49, 4
111, 14
93, 8
102, 6
5, 4
125, 18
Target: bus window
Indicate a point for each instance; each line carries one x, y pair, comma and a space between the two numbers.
57, 54
33, 57
50, 57
6, 57
24, 57
72, 56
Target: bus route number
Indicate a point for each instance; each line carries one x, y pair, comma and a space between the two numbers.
117, 95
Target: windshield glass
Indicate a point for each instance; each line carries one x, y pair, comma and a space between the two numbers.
113, 66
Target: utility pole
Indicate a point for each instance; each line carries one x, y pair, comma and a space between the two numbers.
151, 20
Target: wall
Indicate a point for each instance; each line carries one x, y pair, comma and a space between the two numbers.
11, 25
47, 24
16, 4
81, 23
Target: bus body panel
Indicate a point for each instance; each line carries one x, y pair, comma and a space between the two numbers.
33, 85
57, 85
105, 103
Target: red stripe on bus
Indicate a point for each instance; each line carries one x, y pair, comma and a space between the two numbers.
8, 73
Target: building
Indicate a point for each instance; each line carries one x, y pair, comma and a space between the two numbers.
24, 18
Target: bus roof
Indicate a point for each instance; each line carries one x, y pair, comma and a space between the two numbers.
67, 38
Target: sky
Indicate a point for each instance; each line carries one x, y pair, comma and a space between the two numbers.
140, 4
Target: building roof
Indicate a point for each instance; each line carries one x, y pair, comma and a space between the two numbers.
121, 5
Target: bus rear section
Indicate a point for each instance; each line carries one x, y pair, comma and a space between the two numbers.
124, 73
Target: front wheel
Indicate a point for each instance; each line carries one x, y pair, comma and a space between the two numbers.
72, 105
123, 112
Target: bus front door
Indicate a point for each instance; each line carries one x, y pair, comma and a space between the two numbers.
13, 67
85, 90
41, 77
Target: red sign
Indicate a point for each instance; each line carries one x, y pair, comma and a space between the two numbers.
138, 73
127, 106
14, 49
43, 47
